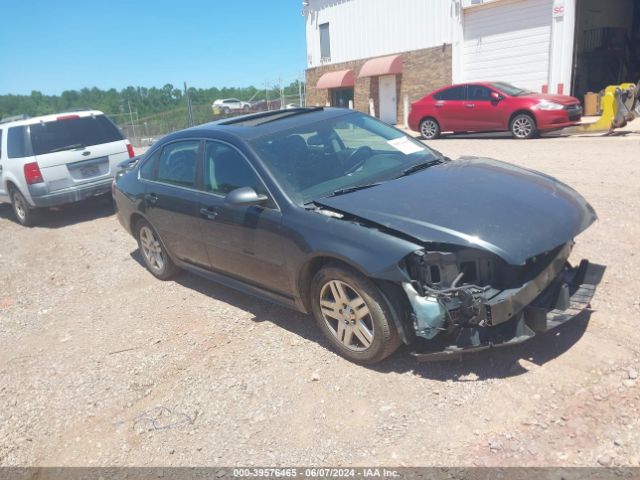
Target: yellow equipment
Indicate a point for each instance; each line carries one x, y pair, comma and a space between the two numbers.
619, 104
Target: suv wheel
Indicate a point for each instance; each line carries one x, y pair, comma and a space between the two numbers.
523, 126
25, 213
351, 312
153, 252
429, 128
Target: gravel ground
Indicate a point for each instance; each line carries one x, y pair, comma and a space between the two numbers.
101, 364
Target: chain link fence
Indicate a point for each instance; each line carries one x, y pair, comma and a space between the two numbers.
144, 131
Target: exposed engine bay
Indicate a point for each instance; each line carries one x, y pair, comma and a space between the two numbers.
473, 299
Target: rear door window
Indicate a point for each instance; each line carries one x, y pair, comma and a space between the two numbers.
148, 168
0, 144
73, 132
453, 93
178, 163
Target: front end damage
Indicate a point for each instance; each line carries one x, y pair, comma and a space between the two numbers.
467, 300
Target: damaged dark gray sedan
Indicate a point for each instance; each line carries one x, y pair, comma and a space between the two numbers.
381, 239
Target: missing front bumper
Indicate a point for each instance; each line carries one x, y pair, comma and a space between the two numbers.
564, 299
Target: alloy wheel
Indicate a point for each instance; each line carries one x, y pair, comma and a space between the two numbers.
429, 128
346, 315
151, 249
522, 127
19, 207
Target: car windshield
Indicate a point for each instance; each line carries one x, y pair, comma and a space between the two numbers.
509, 89
338, 154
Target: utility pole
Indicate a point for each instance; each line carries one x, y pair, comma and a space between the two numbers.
300, 94
266, 94
281, 93
133, 127
189, 111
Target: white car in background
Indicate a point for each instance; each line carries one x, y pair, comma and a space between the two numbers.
57, 159
227, 105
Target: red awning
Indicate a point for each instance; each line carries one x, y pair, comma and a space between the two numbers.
390, 65
343, 78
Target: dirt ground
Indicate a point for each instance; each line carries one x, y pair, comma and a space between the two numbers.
101, 364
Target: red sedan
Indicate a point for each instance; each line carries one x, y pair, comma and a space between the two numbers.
492, 107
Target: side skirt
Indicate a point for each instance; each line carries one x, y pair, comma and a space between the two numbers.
270, 296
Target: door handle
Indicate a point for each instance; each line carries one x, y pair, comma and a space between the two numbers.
210, 214
470, 105
151, 197
439, 105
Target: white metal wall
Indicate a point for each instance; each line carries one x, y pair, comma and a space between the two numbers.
508, 41
371, 28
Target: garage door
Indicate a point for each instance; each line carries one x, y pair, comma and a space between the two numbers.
508, 41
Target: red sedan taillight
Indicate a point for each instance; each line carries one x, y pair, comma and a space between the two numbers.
32, 173
130, 150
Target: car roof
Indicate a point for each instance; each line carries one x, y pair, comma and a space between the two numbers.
50, 118
256, 125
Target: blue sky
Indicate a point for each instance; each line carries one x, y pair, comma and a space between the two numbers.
58, 45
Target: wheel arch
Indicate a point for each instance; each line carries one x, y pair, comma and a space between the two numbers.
429, 117
396, 302
522, 111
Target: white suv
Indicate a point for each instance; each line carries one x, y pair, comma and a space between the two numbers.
57, 159
227, 105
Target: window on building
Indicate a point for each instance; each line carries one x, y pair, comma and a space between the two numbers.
325, 41
453, 93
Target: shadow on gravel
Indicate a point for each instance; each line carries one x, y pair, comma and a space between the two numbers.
488, 364
494, 363
262, 310
67, 215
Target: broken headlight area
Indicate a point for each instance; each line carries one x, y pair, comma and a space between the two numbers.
469, 299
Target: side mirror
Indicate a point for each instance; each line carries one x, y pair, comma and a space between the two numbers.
244, 197
496, 97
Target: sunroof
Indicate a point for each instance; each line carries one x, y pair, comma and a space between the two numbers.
261, 118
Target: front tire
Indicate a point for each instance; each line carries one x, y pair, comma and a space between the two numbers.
154, 254
350, 311
523, 127
429, 128
25, 213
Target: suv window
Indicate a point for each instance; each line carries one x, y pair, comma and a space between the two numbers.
73, 132
226, 169
18, 145
0, 143
478, 92
453, 93
177, 165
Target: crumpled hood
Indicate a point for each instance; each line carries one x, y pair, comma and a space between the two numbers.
478, 203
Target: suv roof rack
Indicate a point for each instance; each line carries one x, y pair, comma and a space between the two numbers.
15, 118
269, 116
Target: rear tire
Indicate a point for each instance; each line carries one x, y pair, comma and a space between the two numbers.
429, 128
351, 312
25, 213
523, 127
154, 254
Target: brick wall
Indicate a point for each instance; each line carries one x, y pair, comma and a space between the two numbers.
423, 71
